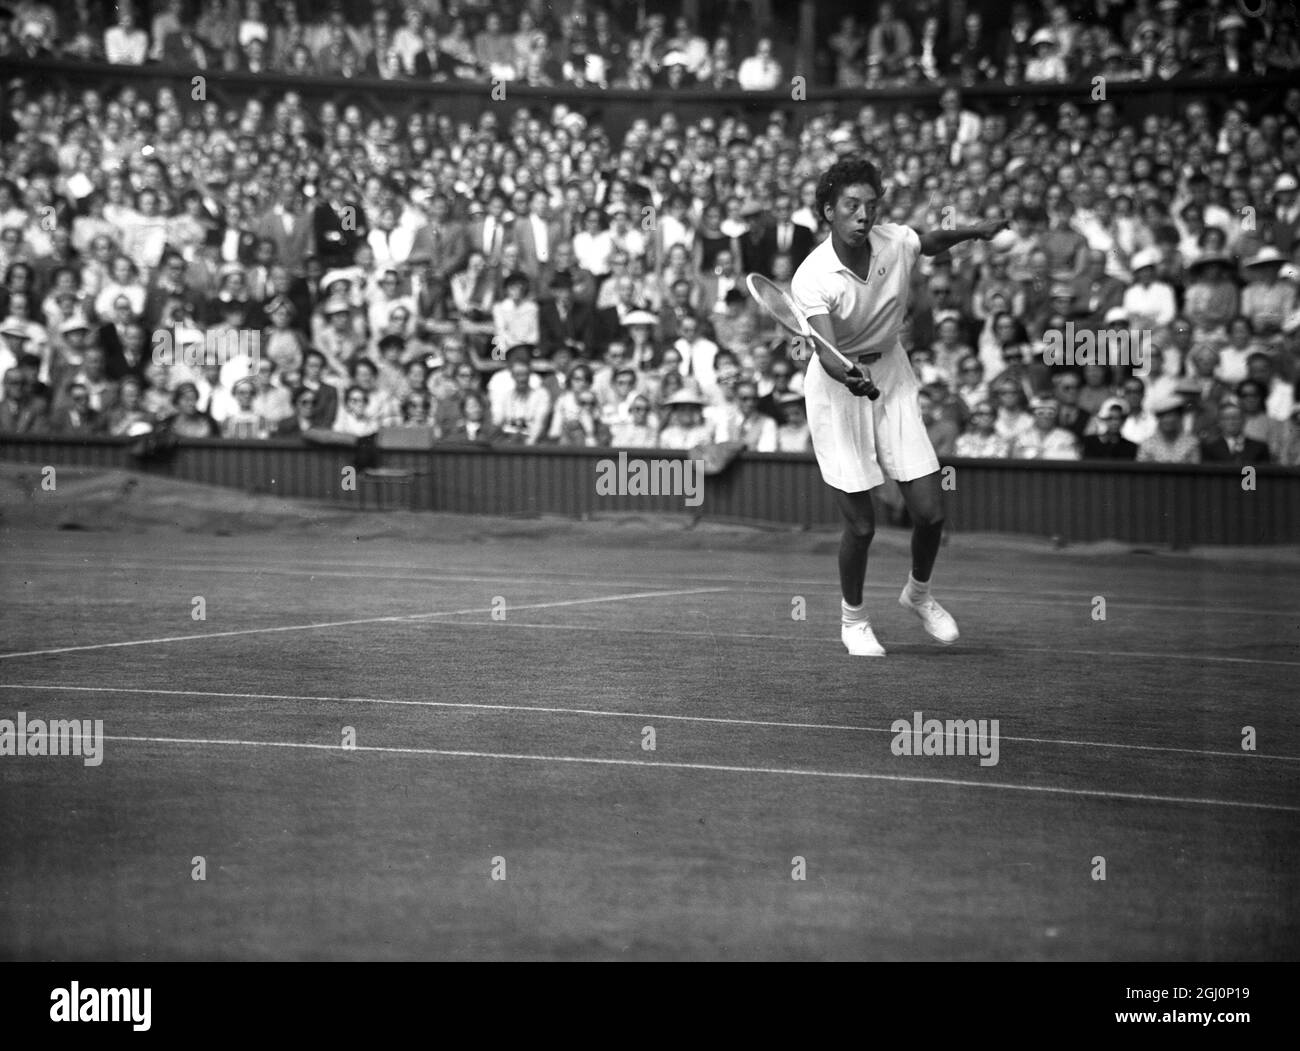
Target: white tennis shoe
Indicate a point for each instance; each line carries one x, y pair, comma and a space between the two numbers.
936, 620
860, 640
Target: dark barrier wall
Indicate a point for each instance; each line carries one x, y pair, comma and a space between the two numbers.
617, 108
1139, 503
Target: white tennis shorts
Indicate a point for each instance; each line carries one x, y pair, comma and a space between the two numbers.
859, 442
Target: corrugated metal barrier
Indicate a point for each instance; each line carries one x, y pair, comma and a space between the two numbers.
1139, 503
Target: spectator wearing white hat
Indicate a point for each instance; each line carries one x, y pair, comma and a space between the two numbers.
1266, 300
686, 427
1047, 65
1169, 443
1232, 54
1284, 225
1045, 440
339, 341
792, 433
1148, 303
1108, 443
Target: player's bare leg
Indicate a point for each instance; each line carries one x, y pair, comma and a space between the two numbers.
925, 505
855, 543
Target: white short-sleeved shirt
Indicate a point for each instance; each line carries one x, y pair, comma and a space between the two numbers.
866, 315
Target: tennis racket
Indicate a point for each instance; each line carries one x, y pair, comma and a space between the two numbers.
786, 313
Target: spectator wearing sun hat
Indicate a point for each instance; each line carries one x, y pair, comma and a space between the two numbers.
1109, 443
1149, 303
1210, 300
339, 340
1170, 443
792, 433
686, 427
1266, 300
1233, 54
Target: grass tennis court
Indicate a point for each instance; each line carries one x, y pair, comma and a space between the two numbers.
518, 744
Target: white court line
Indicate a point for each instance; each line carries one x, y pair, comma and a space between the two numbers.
848, 775
363, 620
617, 714
423, 574
995, 651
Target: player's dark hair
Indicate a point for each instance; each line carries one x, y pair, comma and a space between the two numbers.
851, 171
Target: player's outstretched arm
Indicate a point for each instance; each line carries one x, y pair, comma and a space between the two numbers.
936, 241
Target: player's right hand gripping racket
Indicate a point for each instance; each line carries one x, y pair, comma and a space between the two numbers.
786, 313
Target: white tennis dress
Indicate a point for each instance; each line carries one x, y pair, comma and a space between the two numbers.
859, 442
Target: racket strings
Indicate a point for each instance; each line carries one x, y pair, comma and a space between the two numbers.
777, 304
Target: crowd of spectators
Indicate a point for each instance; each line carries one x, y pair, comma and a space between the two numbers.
583, 43
526, 278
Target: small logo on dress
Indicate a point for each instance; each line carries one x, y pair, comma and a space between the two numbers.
881, 271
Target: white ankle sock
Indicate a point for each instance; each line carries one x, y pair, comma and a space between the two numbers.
852, 614
917, 589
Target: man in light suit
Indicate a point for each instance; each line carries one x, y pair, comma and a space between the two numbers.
536, 234
287, 226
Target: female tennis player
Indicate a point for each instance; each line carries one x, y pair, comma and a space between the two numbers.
853, 289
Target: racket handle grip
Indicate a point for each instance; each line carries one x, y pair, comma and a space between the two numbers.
874, 393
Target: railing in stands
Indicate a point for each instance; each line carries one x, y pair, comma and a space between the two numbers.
616, 108
1157, 504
